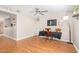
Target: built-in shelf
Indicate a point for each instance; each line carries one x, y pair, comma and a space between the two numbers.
76, 15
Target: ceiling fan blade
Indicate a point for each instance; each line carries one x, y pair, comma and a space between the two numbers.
37, 9
44, 11
41, 13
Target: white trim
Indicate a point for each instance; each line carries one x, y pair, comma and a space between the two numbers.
9, 11
63, 40
76, 48
9, 37
25, 37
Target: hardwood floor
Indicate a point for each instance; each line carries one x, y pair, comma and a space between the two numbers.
7, 45
35, 45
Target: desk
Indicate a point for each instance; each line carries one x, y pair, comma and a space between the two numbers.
50, 34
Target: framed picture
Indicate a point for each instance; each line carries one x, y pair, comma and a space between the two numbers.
52, 22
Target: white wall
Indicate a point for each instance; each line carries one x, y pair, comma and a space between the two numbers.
1, 25
42, 24
76, 32
26, 26
8, 31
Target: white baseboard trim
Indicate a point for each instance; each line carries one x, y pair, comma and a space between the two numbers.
10, 37
76, 48
63, 40
25, 37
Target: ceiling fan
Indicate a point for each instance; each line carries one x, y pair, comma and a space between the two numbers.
38, 11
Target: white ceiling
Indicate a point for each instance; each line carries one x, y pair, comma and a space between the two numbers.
30, 8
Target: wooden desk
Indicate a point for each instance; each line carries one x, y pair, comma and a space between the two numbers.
50, 34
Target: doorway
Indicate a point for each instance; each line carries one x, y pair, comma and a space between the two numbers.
7, 24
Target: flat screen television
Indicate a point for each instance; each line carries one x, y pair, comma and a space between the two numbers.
52, 22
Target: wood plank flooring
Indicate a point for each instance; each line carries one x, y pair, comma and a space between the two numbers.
41, 45
7, 45
35, 45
